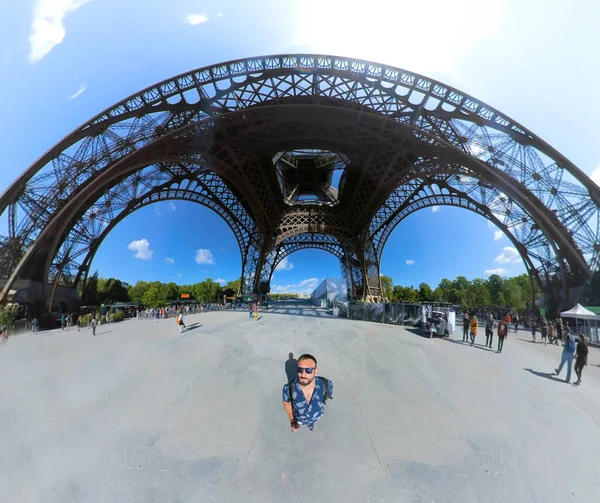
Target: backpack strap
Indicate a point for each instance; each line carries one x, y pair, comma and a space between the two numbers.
327, 391
291, 391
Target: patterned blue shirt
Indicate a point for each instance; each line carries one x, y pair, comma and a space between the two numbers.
307, 413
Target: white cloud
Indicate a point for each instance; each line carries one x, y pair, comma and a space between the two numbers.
180, 275
595, 176
499, 271
509, 254
204, 256
284, 265
47, 28
305, 286
78, 93
410, 261
142, 249
171, 207
498, 235
220, 281
195, 19
169, 260
219, 14
435, 209
375, 37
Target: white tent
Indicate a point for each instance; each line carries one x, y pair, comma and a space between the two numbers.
578, 312
581, 313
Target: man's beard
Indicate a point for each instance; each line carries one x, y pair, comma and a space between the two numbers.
305, 383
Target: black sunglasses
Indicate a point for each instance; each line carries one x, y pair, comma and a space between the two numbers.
308, 370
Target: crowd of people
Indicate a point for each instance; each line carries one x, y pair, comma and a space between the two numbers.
551, 331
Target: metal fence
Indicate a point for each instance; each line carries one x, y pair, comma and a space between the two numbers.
392, 313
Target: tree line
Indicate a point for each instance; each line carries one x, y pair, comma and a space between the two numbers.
511, 293
153, 293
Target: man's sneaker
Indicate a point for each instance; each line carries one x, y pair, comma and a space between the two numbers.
556, 371
311, 427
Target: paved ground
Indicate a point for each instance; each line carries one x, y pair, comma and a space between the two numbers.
141, 413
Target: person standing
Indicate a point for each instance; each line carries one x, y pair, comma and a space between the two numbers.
580, 358
550, 330
533, 328
4, 332
473, 327
466, 327
250, 310
502, 333
304, 398
489, 331
516, 323
544, 331
567, 357
63, 322
255, 312
559, 331
94, 323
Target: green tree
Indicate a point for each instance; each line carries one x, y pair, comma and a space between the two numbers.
438, 295
136, 292
112, 290
494, 285
387, 286
154, 295
425, 293
89, 296
170, 291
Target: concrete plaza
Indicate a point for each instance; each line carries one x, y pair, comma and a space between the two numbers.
142, 413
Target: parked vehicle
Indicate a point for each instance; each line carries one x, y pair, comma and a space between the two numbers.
437, 324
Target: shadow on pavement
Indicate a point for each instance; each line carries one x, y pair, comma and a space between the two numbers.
191, 327
291, 367
546, 375
460, 342
105, 332
420, 333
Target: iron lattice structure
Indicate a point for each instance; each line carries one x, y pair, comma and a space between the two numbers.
300, 151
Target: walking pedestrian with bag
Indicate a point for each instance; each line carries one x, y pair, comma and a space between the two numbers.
465, 327
502, 333
580, 358
473, 327
489, 331
567, 357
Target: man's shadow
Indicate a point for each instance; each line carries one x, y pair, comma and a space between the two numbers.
291, 368
546, 375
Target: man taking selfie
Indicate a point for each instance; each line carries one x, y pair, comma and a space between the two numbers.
304, 398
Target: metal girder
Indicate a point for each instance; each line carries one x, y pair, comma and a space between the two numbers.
395, 128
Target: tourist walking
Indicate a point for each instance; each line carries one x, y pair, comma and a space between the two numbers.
466, 327
94, 324
489, 331
550, 330
180, 323
250, 310
255, 312
533, 329
304, 398
473, 327
4, 330
580, 358
502, 333
567, 357
544, 331
516, 323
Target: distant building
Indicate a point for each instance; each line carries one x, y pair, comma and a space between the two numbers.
329, 290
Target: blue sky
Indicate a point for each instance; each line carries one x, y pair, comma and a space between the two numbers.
64, 61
